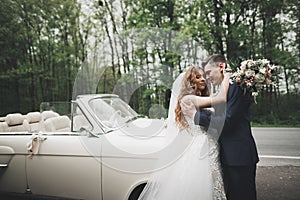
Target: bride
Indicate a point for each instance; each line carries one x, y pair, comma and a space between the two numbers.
196, 175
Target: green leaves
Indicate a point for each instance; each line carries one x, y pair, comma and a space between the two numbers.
43, 43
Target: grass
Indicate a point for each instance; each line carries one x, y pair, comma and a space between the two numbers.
275, 125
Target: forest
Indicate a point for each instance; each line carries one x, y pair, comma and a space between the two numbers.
53, 50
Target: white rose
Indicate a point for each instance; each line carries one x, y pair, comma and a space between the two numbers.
250, 73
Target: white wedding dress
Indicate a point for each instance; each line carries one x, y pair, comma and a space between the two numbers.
196, 174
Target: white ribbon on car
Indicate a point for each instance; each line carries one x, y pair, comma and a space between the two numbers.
33, 145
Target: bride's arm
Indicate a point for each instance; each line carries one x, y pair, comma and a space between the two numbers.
221, 97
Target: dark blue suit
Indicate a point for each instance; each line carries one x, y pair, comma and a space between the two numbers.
238, 151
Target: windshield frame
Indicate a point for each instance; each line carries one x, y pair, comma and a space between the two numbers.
104, 108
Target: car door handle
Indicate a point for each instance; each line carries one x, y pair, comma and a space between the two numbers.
6, 154
3, 166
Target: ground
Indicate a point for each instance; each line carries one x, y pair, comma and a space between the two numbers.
273, 183
278, 183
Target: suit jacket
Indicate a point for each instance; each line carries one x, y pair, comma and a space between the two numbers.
237, 146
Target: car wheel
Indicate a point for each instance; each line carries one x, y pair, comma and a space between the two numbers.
136, 192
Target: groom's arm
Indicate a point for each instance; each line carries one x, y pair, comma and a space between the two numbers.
235, 105
229, 116
210, 120
202, 118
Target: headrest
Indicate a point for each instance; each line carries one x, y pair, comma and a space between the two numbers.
3, 126
34, 117
49, 114
14, 119
60, 122
78, 111
2, 119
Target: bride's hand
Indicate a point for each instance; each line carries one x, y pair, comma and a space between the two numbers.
227, 75
187, 106
226, 80
223, 89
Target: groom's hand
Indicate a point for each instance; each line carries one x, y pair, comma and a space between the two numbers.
188, 108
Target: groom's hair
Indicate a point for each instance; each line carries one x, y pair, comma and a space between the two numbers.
214, 60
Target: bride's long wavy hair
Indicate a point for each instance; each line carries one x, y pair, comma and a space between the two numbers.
188, 86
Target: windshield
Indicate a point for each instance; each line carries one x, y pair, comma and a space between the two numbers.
112, 111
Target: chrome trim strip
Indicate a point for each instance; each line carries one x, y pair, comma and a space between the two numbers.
47, 133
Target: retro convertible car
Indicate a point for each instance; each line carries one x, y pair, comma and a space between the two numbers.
99, 151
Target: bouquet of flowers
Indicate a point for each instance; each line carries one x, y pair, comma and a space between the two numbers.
253, 75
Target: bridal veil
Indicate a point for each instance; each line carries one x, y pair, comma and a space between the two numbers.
188, 174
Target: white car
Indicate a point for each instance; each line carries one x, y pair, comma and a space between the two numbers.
98, 152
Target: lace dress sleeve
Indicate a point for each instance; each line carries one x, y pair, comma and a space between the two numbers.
193, 128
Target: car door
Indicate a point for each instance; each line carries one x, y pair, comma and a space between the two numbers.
13, 153
67, 165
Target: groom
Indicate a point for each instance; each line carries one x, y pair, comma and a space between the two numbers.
238, 151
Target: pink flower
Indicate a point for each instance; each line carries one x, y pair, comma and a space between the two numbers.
243, 68
250, 63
